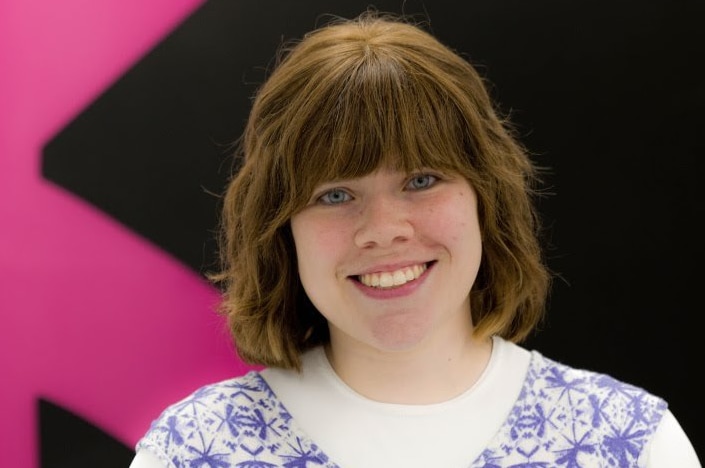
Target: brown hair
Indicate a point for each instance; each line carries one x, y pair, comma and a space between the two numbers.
350, 97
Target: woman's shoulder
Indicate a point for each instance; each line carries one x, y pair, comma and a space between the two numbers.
214, 412
215, 401
569, 412
235, 391
548, 375
234, 421
554, 385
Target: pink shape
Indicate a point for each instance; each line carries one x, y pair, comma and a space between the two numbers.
93, 317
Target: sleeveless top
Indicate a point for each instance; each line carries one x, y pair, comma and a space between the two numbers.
563, 417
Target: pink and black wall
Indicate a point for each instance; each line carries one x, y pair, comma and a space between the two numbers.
116, 119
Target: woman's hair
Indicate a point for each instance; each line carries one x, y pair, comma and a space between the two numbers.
349, 98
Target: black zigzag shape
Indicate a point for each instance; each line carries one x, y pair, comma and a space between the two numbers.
69, 441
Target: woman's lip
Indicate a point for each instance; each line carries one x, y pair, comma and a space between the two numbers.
396, 291
388, 268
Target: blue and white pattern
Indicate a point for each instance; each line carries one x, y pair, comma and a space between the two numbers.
564, 417
575, 419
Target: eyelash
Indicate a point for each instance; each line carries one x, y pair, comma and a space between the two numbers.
324, 198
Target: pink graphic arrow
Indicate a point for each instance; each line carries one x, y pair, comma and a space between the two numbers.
94, 318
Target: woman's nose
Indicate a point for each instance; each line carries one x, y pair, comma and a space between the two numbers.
383, 221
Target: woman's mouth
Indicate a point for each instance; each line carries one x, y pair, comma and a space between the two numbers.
393, 279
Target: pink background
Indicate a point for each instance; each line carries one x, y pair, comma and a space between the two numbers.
94, 317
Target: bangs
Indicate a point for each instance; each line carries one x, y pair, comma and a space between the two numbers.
382, 112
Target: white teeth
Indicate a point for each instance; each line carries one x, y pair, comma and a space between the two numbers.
389, 279
386, 280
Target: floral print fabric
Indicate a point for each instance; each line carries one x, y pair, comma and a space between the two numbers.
564, 417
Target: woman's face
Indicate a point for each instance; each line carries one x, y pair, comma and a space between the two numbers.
389, 258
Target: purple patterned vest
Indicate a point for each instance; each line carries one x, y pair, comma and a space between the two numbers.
564, 417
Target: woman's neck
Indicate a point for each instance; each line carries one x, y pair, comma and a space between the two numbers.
429, 373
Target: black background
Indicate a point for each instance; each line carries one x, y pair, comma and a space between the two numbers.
608, 95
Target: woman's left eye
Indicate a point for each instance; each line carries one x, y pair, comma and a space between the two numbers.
421, 181
334, 197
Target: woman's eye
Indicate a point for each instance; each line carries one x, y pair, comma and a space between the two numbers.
421, 181
334, 197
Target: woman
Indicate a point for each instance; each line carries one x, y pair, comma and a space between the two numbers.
381, 260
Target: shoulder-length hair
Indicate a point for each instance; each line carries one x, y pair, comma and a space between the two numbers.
350, 97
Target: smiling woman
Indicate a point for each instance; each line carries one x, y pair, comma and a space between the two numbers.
349, 99
381, 259
390, 267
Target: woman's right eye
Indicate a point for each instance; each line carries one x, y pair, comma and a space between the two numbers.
334, 197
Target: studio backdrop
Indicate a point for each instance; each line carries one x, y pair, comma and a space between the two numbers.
117, 124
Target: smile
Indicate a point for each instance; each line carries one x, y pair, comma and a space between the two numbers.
392, 279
